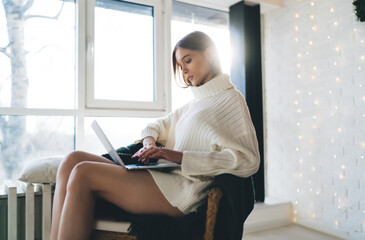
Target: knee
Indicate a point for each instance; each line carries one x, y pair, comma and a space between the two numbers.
79, 176
67, 165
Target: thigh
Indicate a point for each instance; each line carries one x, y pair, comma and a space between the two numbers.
133, 191
74, 158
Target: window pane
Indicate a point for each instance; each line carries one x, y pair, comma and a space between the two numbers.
121, 132
187, 18
38, 66
124, 52
25, 138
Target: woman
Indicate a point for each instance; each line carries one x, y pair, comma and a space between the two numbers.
211, 135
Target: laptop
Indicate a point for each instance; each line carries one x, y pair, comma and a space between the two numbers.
115, 157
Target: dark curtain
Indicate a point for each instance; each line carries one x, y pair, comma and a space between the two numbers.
246, 73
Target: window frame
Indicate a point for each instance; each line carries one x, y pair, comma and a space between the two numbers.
159, 103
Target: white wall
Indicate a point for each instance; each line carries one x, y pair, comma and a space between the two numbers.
315, 113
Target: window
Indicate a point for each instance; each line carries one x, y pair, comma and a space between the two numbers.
122, 54
60, 52
72, 62
37, 81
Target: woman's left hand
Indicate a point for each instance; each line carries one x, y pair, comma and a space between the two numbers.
159, 153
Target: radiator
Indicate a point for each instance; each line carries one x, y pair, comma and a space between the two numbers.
36, 224
30, 191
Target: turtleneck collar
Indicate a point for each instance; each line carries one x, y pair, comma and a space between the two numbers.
216, 85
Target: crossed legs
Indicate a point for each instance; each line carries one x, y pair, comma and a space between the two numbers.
82, 177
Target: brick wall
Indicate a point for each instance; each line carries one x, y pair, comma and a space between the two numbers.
315, 112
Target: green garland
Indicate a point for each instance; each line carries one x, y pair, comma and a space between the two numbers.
359, 9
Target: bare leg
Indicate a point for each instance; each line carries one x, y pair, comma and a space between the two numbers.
63, 174
128, 190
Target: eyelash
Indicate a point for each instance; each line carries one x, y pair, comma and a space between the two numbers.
188, 61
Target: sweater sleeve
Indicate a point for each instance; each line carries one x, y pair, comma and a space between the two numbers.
160, 129
240, 161
233, 146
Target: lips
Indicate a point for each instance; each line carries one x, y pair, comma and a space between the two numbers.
190, 78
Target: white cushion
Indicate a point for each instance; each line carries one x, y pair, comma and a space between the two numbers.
43, 170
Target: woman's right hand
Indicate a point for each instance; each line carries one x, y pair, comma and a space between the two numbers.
148, 142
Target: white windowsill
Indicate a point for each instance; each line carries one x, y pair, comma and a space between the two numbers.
270, 214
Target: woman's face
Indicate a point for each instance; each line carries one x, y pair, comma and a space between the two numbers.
194, 65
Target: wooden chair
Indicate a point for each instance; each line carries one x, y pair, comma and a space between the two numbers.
214, 197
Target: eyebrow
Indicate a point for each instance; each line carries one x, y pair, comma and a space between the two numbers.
187, 55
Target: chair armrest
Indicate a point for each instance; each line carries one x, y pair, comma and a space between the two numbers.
214, 197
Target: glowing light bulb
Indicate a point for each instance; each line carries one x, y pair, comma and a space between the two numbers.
299, 55
337, 79
313, 77
296, 39
312, 4
337, 49
312, 16
339, 130
298, 91
315, 28
299, 76
311, 43
316, 102
362, 57
296, 15
299, 111
314, 117
296, 102
343, 166
314, 68
330, 91
332, 10
296, 28
335, 24
309, 93
298, 65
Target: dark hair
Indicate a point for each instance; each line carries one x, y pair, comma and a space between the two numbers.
196, 41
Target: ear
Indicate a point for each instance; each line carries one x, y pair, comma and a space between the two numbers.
208, 54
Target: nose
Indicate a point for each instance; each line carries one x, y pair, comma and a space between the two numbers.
184, 69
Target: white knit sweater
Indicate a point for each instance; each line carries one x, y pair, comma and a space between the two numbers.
215, 134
